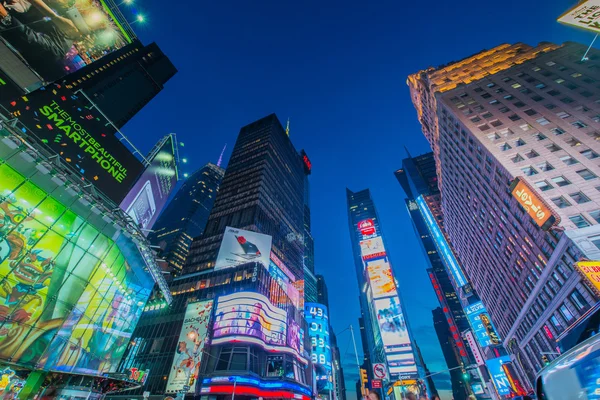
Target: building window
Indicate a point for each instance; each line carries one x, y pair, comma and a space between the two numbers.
579, 197
531, 154
553, 147
556, 324
525, 127
545, 166
579, 301
520, 142
573, 142
563, 115
275, 366
542, 121
595, 215
543, 186
589, 154
595, 241
579, 124
561, 202
529, 171
586, 174
539, 136
579, 221
517, 158
569, 160
560, 181
557, 131
566, 313
505, 146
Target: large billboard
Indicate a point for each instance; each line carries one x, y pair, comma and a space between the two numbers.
393, 328
442, 245
69, 127
482, 326
149, 195
372, 248
590, 270
57, 37
240, 246
317, 319
533, 204
498, 375
381, 278
190, 346
70, 296
584, 15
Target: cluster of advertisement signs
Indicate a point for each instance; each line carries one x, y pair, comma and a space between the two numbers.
385, 304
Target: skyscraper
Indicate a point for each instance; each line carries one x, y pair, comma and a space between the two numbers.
507, 124
386, 328
442, 330
186, 215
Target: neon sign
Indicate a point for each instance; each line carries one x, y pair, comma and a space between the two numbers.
367, 227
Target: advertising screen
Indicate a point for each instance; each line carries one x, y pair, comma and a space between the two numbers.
190, 345
71, 296
67, 125
317, 319
252, 315
499, 378
441, 244
590, 270
372, 248
533, 204
482, 326
149, 195
57, 37
585, 15
381, 278
392, 325
240, 246
367, 227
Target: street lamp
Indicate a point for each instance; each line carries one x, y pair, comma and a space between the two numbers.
232, 378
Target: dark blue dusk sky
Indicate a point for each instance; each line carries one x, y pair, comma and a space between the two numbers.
338, 70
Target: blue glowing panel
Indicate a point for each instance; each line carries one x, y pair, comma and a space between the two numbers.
482, 326
317, 319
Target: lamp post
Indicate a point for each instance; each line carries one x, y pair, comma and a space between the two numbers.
232, 378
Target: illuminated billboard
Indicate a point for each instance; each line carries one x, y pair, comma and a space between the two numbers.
482, 326
381, 278
317, 318
393, 328
441, 244
149, 195
69, 127
71, 296
533, 204
367, 227
240, 246
498, 375
190, 346
57, 37
584, 15
590, 270
372, 248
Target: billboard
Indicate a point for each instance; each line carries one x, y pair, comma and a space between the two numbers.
590, 270
367, 227
65, 123
482, 326
149, 195
71, 296
498, 375
240, 246
250, 314
381, 278
190, 346
372, 248
585, 15
441, 244
533, 204
317, 318
57, 37
393, 328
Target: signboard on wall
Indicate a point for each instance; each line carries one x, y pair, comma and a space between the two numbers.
67, 125
240, 246
533, 204
190, 346
590, 270
149, 195
585, 15
367, 227
482, 326
474, 348
499, 378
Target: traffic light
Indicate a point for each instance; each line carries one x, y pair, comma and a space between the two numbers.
364, 380
465, 374
545, 360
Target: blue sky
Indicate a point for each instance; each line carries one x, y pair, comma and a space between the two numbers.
338, 70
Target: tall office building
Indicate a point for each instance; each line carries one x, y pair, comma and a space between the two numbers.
442, 330
186, 215
386, 329
515, 127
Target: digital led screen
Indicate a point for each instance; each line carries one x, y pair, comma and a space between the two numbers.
149, 195
482, 326
240, 246
250, 314
499, 378
381, 278
70, 296
190, 346
80, 135
57, 37
441, 244
317, 318
367, 227
372, 248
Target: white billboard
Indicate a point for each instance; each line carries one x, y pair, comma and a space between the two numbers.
240, 246
372, 248
585, 15
191, 343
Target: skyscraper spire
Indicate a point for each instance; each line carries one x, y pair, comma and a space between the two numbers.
287, 128
221, 156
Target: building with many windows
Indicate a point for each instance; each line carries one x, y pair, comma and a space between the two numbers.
509, 122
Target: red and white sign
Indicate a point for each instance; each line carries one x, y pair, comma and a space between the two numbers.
379, 372
474, 349
376, 384
366, 227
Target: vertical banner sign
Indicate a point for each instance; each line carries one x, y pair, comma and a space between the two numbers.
318, 330
498, 375
240, 246
482, 326
533, 204
149, 195
474, 348
190, 346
